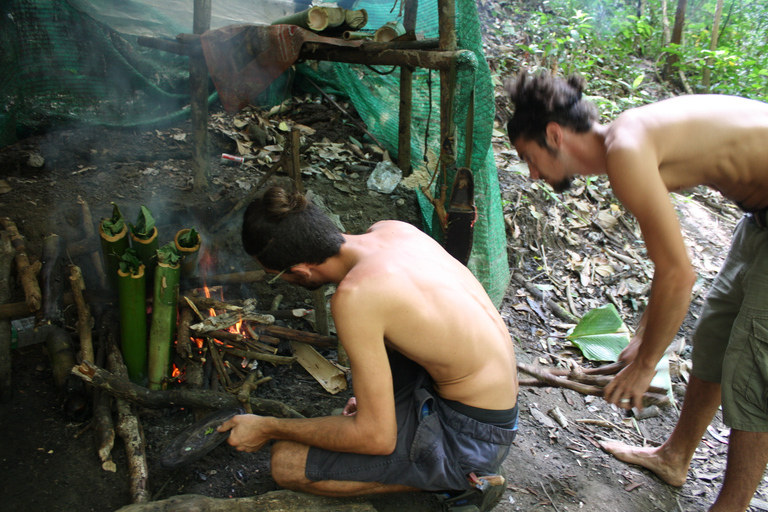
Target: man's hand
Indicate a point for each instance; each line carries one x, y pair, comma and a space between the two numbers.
351, 408
247, 432
627, 388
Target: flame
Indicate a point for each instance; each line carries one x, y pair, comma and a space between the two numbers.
198, 341
175, 372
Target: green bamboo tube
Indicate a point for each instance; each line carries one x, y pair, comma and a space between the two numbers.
133, 323
336, 16
356, 19
146, 248
315, 18
112, 249
190, 254
163, 327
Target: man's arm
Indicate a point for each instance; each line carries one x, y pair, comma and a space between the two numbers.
373, 429
636, 181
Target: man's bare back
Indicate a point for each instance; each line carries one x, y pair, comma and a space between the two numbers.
713, 140
434, 297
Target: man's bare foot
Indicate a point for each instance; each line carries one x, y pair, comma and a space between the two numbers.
649, 458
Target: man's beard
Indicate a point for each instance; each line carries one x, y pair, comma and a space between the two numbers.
562, 185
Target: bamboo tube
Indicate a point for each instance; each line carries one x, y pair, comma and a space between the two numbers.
163, 327
190, 253
133, 322
315, 18
112, 249
146, 249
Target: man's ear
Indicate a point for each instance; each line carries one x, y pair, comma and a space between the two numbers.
554, 134
303, 269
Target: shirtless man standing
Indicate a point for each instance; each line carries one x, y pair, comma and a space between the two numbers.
433, 364
647, 152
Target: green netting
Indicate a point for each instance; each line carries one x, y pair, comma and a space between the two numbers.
376, 98
60, 64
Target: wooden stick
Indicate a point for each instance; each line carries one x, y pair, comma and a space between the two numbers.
252, 276
585, 389
102, 423
84, 320
556, 309
250, 354
123, 388
6, 260
27, 271
52, 285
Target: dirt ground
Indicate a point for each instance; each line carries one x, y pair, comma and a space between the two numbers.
49, 459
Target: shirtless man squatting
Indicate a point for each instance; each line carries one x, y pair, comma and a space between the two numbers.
647, 152
432, 361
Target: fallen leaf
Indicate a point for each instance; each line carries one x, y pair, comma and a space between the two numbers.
5, 187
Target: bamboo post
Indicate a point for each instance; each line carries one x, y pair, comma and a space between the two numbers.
133, 322
198, 85
164, 312
6, 259
406, 94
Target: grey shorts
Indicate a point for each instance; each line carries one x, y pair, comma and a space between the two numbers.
437, 448
730, 343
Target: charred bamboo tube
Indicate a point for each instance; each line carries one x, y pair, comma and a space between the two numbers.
6, 259
133, 322
188, 243
163, 328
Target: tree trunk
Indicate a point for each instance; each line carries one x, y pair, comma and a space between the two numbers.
664, 24
677, 38
712, 43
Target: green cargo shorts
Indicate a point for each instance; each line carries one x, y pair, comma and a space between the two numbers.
730, 343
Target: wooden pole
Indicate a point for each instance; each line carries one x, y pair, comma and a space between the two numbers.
406, 95
198, 84
27, 271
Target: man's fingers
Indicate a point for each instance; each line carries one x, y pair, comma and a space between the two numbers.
227, 425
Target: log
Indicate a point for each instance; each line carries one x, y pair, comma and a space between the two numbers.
84, 320
14, 310
129, 429
58, 344
200, 399
6, 260
27, 271
252, 354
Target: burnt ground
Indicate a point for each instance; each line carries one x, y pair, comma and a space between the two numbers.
49, 459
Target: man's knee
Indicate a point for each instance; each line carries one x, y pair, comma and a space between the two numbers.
289, 461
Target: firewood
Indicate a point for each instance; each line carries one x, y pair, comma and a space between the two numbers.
585, 389
192, 398
183, 337
329, 376
296, 335
84, 319
129, 429
27, 271
6, 259
102, 423
252, 276
252, 354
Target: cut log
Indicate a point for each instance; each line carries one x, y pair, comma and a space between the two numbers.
27, 271
201, 399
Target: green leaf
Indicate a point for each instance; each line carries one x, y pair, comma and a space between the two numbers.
601, 334
189, 239
129, 262
144, 225
168, 254
638, 80
113, 225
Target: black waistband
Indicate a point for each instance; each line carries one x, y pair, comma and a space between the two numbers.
505, 418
